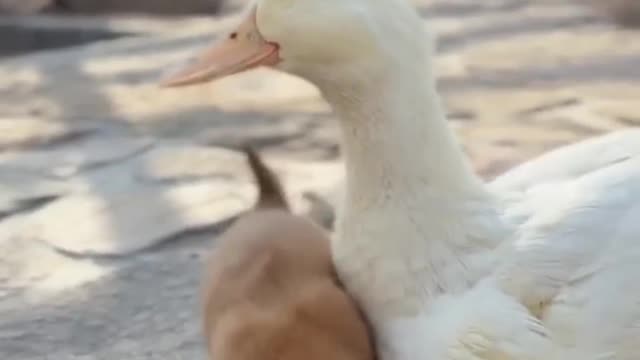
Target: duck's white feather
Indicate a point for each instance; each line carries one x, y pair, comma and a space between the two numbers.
482, 323
569, 228
571, 161
575, 257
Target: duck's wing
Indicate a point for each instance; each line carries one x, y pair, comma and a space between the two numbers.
576, 254
572, 161
482, 323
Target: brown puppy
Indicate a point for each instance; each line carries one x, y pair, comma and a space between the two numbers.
272, 293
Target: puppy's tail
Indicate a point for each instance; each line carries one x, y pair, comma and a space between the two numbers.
270, 192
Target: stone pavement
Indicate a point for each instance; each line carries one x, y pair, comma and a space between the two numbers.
112, 189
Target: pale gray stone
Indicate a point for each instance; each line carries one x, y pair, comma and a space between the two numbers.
20, 191
23, 6
21, 132
72, 158
167, 7
132, 219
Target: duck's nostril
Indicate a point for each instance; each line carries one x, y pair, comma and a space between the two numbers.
233, 35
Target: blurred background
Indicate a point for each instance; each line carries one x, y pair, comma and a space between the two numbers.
112, 189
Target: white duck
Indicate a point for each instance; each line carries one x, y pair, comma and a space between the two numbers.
446, 267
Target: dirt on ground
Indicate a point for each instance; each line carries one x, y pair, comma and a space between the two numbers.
112, 189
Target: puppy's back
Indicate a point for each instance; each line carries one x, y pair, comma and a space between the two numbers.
272, 293
268, 245
318, 322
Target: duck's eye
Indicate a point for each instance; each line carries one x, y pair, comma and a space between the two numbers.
233, 35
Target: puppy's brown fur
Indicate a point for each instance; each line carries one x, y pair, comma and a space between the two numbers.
272, 293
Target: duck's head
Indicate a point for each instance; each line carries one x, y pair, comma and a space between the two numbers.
320, 40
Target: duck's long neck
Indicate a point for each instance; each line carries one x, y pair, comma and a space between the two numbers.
396, 139
415, 216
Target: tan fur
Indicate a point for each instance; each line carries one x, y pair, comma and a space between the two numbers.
272, 293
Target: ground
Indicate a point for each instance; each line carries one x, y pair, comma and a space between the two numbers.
112, 189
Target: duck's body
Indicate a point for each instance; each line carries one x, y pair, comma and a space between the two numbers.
444, 266
575, 258
572, 161
422, 250
416, 239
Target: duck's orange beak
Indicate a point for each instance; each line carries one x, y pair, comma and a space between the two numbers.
242, 49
